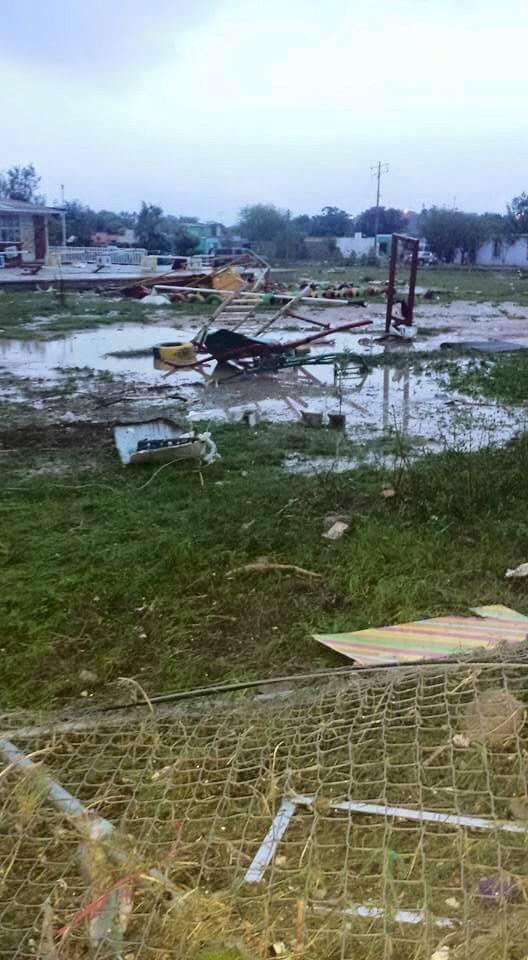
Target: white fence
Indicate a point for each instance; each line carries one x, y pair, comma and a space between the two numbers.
127, 256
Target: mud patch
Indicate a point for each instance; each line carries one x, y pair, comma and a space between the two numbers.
74, 436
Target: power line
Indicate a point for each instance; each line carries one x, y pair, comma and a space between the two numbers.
377, 171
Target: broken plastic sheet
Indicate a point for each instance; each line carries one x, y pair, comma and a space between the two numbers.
430, 639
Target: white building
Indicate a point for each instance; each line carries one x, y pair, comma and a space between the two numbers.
502, 253
358, 244
24, 231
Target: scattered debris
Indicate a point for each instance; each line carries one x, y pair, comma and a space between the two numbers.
461, 741
453, 903
311, 418
280, 823
336, 421
377, 913
263, 565
88, 676
518, 572
336, 531
174, 354
162, 440
430, 639
495, 717
332, 518
495, 890
251, 417
156, 300
441, 954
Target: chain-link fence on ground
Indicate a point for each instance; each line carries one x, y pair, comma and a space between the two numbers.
381, 815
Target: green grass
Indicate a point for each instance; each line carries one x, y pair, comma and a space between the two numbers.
503, 377
18, 311
100, 572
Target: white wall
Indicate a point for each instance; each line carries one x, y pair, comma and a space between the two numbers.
510, 254
358, 245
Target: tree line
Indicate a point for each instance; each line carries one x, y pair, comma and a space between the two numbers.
448, 232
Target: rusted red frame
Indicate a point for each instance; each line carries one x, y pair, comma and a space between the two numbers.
413, 244
268, 349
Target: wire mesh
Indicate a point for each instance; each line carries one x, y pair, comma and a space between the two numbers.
192, 795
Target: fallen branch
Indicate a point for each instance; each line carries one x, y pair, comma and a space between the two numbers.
264, 566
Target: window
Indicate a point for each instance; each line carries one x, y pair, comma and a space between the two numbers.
497, 249
9, 228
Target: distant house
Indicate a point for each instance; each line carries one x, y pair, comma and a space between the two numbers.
103, 239
24, 231
502, 253
358, 244
364, 246
209, 235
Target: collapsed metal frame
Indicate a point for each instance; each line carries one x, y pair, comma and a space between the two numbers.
406, 243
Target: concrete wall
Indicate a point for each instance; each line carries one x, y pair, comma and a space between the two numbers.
361, 246
507, 255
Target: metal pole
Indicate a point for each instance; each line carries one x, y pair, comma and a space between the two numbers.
392, 278
412, 279
106, 926
379, 169
93, 826
376, 222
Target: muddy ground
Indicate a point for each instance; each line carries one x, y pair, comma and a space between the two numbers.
107, 374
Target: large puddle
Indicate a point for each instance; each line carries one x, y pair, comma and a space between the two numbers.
382, 401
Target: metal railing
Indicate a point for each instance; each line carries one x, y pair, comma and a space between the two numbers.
126, 256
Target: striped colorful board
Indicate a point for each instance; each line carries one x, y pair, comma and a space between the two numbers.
430, 639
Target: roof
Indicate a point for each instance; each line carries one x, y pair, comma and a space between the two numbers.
21, 206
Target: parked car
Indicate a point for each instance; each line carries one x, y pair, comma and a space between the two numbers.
427, 258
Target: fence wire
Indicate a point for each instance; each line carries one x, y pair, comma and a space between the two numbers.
193, 794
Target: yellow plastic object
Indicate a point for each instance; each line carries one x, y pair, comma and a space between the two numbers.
227, 279
178, 354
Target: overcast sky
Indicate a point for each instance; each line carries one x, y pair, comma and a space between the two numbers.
204, 106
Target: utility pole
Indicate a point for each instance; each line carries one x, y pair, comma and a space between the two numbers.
377, 171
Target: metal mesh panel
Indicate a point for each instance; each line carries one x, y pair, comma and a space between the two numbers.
193, 794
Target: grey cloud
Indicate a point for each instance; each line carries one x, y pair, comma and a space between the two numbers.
96, 35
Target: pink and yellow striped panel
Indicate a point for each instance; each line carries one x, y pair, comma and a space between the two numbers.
430, 639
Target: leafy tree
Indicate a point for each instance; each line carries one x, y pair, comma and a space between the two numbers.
80, 222
109, 222
302, 224
440, 227
518, 214
183, 244
262, 221
21, 183
390, 220
149, 229
289, 244
450, 232
128, 219
331, 222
